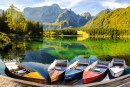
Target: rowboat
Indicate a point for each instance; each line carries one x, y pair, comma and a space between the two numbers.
95, 71
76, 69
117, 67
23, 72
57, 69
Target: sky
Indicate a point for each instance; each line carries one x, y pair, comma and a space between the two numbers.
78, 6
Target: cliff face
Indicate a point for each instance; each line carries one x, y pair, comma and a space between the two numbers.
56, 25
68, 19
43, 14
74, 19
1, 11
70, 16
85, 17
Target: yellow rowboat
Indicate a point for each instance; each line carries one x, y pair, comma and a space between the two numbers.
23, 72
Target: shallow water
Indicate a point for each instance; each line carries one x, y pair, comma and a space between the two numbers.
39, 53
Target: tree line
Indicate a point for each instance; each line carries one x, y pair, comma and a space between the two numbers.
13, 21
60, 32
108, 32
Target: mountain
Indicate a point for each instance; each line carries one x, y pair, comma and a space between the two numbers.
56, 25
1, 11
74, 19
70, 16
87, 16
43, 14
100, 14
68, 19
116, 19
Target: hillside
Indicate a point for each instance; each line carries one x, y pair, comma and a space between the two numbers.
68, 19
56, 25
117, 19
43, 14
100, 14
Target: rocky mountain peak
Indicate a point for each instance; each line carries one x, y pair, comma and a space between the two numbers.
108, 10
43, 14
85, 14
69, 10
55, 5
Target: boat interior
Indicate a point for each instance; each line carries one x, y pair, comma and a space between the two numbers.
59, 67
81, 65
53, 73
120, 65
100, 67
18, 69
120, 61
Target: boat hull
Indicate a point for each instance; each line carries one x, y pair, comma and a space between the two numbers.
90, 79
55, 78
73, 76
27, 78
116, 74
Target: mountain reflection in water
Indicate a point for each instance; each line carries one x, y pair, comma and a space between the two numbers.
39, 53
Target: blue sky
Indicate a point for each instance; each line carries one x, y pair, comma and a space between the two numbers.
78, 6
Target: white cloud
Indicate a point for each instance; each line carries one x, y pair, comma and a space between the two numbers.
62, 3
73, 3
113, 4
94, 9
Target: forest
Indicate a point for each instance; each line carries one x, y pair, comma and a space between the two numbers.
108, 32
60, 32
12, 21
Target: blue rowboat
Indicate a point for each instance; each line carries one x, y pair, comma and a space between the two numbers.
76, 69
72, 74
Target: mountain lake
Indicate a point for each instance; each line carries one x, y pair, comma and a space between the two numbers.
39, 52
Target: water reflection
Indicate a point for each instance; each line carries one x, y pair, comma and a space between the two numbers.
39, 53
2, 67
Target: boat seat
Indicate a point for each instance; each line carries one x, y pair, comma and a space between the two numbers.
60, 68
99, 70
81, 67
13, 67
21, 71
118, 66
83, 63
116, 70
103, 66
11, 63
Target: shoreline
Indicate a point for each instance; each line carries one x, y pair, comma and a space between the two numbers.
12, 82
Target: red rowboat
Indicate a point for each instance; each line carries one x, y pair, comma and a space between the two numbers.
95, 71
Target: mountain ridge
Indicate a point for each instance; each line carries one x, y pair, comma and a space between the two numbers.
69, 19
43, 14
116, 19
100, 14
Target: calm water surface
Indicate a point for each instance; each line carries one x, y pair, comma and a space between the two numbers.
39, 53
